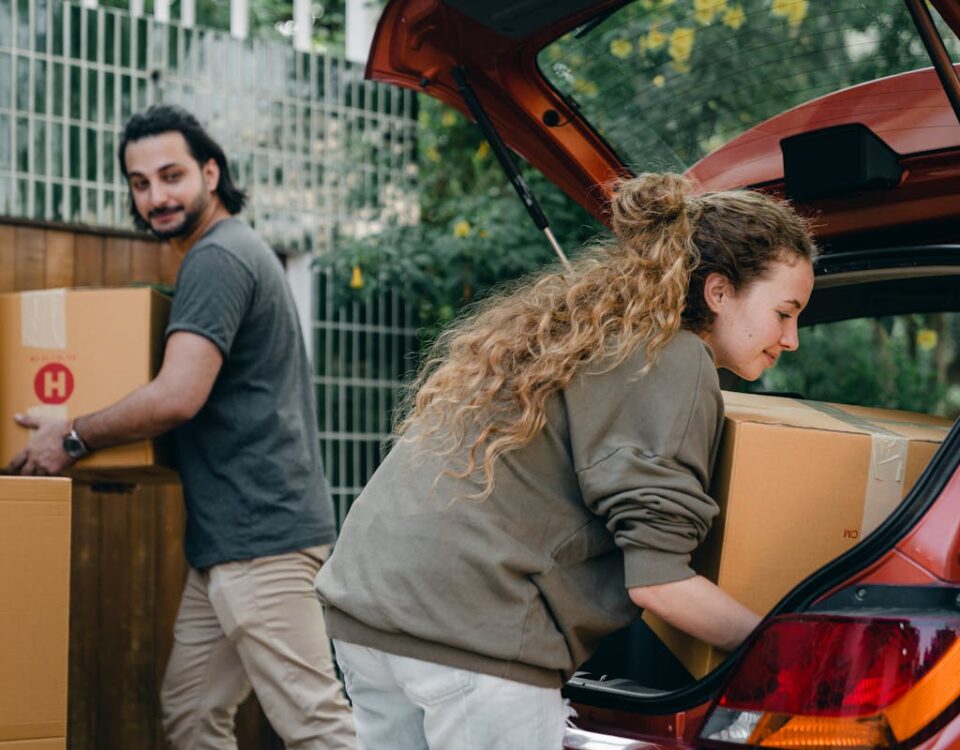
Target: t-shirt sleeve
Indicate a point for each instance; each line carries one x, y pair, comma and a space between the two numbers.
214, 291
643, 447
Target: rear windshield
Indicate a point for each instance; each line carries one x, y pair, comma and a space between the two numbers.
666, 82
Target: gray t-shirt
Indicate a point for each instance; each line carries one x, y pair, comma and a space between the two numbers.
249, 460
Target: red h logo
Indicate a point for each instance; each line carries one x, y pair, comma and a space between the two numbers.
53, 383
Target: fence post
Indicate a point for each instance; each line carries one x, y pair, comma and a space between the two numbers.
239, 19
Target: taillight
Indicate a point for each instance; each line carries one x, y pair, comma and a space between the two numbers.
830, 681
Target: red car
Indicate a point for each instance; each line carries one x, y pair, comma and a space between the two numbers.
850, 108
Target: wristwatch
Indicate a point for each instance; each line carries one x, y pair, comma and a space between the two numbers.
73, 444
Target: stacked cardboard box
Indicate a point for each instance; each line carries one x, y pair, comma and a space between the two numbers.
799, 483
34, 612
69, 352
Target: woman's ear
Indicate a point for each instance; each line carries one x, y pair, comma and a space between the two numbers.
717, 289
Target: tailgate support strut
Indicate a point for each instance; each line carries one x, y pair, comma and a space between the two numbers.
506, 161
937, 52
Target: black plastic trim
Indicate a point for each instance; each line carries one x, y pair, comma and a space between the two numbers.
904, 256
890, 600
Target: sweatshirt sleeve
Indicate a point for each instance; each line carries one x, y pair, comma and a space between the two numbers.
643, 448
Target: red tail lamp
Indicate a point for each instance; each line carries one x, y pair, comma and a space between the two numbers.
831, 681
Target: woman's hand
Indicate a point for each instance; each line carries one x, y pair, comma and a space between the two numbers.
700, 608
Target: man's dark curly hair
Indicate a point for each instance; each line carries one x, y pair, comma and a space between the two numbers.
165, 118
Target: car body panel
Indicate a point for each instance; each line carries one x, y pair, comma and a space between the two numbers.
909, 112
934, 544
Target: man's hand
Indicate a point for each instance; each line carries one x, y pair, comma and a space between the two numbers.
44, 454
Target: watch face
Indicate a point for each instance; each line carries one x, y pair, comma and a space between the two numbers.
73, 446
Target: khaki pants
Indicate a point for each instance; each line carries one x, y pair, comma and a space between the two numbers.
255, 623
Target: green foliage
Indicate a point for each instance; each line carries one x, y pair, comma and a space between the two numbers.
473, 231
872, 363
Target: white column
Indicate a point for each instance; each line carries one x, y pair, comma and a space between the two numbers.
362, 16
89, 3
136, 8
239, 19
300, 277
188, 13
302, 25
161, 10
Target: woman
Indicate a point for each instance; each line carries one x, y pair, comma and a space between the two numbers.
551, 474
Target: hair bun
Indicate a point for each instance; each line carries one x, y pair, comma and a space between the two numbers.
647, 200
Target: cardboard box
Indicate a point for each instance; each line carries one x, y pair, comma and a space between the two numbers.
34, 610
798, 483
47, 743
67, 352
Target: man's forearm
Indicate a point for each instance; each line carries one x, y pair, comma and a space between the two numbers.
143, 414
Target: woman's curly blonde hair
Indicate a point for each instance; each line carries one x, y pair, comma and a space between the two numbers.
485, 385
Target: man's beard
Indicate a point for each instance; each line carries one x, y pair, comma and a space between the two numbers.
191, 217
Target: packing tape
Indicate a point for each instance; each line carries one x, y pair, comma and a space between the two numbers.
43, 319
888, 459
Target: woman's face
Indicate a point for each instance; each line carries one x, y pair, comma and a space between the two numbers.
755, 324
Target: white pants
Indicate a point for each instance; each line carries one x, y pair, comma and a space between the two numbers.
407, 704
254, 623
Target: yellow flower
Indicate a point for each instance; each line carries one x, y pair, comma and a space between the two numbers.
659, 80
705, 10
461, 228
449, 119
585, 87
656, 38
482, 152
432, 153
681, 43
927, 339
793, 10
621, 48
356, 278
734, 17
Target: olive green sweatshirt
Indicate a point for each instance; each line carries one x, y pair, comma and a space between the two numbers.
524, 584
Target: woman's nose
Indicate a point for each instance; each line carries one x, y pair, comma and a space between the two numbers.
790, 340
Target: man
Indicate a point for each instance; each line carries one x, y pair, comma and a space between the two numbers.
235, 385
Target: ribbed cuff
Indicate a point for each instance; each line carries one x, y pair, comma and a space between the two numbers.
647, 567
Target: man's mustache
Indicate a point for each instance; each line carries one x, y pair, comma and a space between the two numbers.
164, 211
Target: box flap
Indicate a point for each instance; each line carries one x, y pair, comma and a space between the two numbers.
820, 415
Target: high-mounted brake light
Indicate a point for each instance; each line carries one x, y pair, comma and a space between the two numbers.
831, 681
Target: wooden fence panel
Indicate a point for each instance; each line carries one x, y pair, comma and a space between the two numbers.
59, 260
29, 259
127, 564
8, 258
88, 267
116, 261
